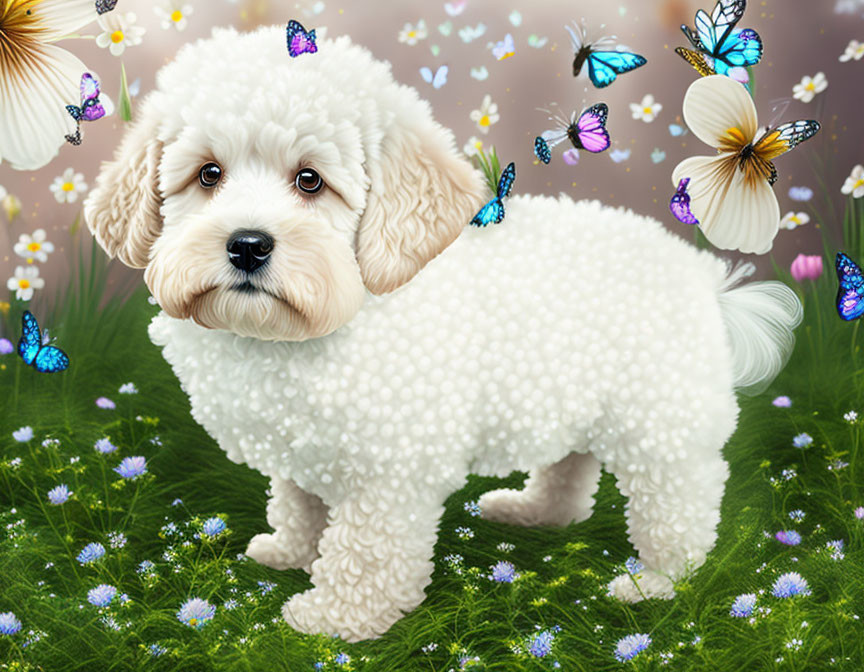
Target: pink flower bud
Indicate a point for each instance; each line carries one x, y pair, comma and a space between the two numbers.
739, 75
806, 267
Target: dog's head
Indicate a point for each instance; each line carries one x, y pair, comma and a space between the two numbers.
265, 195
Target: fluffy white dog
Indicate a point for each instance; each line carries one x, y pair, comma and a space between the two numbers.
302, 223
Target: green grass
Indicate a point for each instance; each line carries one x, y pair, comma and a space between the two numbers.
563, 572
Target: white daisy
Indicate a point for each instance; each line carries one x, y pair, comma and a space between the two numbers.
807, 89
855, 182
35, 247
68, 186
411, 35
647, 110
473, 146
736, 208
37, 78
792, 220
854, 50
25, 282
119, 32
174, 13
486, 115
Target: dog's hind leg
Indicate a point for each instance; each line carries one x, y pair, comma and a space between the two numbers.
555, 495
298, 519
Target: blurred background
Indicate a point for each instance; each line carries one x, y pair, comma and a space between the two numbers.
802, 38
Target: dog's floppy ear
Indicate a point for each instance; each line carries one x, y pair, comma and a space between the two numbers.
422, 194
123, 210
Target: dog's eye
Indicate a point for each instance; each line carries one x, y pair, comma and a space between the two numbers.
309, 181
210, 175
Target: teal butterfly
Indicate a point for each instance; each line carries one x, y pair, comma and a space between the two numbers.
604, 58
42, 357
493, 211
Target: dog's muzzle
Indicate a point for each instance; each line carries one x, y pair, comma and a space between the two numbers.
249, 250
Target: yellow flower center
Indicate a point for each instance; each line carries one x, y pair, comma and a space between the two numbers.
647, 110
193, 621
117, 36
478, 144
484, 120
176, 16
859, 183
34, 246
810, 86
24, 283
68, 186
412, 34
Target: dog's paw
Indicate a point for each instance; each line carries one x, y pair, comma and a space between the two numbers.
520, 507
318, 611
651, 584
266, 549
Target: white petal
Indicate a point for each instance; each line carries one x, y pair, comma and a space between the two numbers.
733, 214
12, 284
64, 17
715, 104
33, 99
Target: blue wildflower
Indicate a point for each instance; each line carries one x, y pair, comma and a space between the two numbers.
464, 533
177, 502
633, 565
214, 526
800, 193
145, 566
23, 435
789, 585
132, 467
104, 446
319, 665
9, 623
6, 347
231, 604
788, 537
266, 586
116, 540
631, 646
504, 572
91, 553
59, 495
342, 659
797, 515
541, 644
156, 650
473, 508
128, 388
743, 605
106, 403
802, 440
782, 402
101, 595
196, 613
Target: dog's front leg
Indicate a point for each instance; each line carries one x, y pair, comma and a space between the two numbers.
298, 519
376, 559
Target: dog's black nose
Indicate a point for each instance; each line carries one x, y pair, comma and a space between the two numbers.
249, 250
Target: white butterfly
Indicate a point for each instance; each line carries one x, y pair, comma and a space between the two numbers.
455, 8
505, 48
480, 73
515, 18
438, 79
469, 34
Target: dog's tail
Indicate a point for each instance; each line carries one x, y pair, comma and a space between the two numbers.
760, 318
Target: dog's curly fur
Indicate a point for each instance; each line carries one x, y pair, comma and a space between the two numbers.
571, 336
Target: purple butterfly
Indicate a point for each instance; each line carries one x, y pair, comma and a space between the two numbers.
299, 41
105, 6
588, 132
680, 204
90, 110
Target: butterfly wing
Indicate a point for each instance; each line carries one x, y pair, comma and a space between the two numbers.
51, 360
680, 204
75, 112
850, 294
299, 41
541, 150
698, 60
75, 139
491, 213
577, 37
784, 138
741, 49
31, 338
605, 66
105, 6
440, 78
505, 182
593, 135
89, 87
426, 74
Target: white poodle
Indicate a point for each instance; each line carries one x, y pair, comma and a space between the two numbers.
302, 223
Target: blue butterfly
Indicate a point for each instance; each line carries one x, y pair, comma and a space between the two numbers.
717, 40
541, 150
493, 211
43, 358
605, 59
850, 295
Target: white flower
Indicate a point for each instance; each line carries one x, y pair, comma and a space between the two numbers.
68, 186
734, 203
3, 192
25, 282
854, 49
792, 220
174, 13
809, 87
411, 35
119, 32
647, 110
486, 115
473, 146
34, 247
38, 78
855, 182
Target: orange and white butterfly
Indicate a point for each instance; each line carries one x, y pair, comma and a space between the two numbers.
731, 193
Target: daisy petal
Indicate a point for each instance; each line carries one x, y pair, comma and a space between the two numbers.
715, 104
